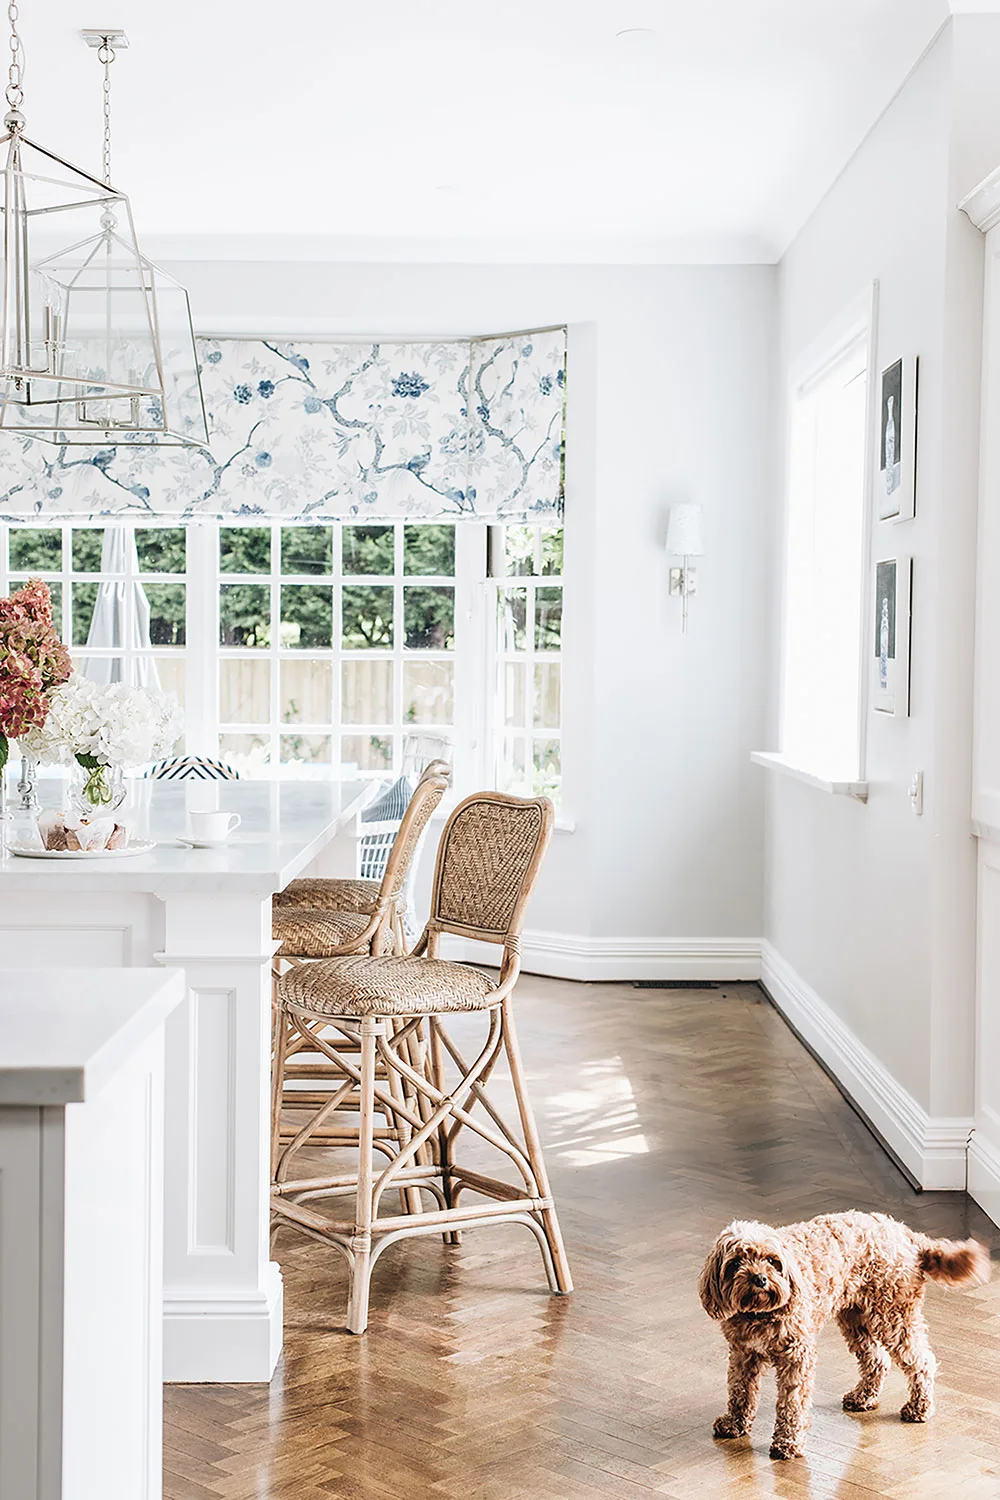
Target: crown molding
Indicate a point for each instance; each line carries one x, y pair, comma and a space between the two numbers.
982, 205
681, 249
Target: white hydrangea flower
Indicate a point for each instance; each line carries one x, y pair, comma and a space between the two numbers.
117, 725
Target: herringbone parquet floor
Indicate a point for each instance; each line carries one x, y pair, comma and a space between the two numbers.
664, 1114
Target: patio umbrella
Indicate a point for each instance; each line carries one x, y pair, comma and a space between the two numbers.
121, 618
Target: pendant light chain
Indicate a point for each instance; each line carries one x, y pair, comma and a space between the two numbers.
14, 91
106, 55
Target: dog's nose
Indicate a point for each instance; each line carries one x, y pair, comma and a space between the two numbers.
760, 1280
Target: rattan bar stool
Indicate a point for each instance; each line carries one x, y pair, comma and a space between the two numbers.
310, 1080
385, 1015
322, 893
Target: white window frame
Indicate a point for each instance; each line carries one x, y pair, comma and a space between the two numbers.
498, 731
475, 657
856, 327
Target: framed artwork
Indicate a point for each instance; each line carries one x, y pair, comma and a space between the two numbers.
891, 664
897, 462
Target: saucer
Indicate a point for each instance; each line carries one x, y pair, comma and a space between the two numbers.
204, 843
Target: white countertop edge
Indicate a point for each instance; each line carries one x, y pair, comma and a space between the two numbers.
772, 760
128, 1024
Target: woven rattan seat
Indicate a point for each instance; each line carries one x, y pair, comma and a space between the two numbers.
324, 894
365, 986
304, 933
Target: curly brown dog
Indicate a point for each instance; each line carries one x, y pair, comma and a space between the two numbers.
773, 1289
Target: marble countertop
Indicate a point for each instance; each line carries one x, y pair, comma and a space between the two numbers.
65, 1032
285, 824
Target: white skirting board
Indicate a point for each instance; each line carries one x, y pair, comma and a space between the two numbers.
984, 1175
933, 1150
569, 956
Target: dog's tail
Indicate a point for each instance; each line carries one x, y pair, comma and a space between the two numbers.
954, 1262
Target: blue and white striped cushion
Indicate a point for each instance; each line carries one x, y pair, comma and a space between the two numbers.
196, 767
391, 805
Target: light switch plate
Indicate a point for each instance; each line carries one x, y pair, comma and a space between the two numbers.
917, 793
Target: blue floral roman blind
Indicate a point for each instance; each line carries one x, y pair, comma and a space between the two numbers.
461, 429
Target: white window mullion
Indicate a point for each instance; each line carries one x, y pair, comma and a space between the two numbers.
202, 632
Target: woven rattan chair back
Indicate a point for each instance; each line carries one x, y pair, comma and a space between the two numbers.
425, 800
487, 864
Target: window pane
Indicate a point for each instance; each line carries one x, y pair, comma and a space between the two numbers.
171, 671
429, 549
366, 692
513, 616
546, 768
512, 773
368, 549
245, 691
552, 550
55, 589
513, 692
87, 546
245, 549
306, 692
429, 618
307, 616
548, 619
245, 751
166, 613
428, 692
367, 616
311, 749
83, 597
548, 695
369, 752
39, 551
518, 550
306, 549
245, 614
161, 549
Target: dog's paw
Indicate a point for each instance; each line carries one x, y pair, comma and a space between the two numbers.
853, 1402
916, 1411
786, 1450
728, 1427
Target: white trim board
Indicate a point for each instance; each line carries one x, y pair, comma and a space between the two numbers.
571, 956
933, 1151
984, 1175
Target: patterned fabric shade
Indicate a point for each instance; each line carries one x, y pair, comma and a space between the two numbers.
461, 429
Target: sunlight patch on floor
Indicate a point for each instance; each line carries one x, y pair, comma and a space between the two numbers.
598, 1121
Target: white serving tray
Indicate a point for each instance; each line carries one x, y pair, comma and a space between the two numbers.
137, 846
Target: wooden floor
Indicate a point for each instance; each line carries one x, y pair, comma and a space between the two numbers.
664, 1114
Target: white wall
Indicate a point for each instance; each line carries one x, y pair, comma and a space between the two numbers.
871, 908
670, 398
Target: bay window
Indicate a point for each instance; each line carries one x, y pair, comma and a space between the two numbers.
313, 649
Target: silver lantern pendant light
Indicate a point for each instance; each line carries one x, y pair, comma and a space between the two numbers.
96, 344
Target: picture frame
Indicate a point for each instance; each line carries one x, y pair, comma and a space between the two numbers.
895, 483
893, 596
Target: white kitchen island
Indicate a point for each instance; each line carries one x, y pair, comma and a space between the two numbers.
207, 912
81, 1231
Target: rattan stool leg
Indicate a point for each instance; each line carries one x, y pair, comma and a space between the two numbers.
436, 1065
550, 1221
361, 1240
278, 1082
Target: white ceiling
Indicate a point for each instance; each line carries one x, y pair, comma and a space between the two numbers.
452, 129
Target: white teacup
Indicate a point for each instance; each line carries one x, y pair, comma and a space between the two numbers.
212, 827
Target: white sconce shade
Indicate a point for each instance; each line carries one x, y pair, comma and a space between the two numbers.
685, 537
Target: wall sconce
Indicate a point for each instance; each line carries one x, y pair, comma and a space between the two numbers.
684, 539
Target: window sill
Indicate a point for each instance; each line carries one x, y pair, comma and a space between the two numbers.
773, 761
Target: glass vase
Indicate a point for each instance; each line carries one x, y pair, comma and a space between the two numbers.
96, 791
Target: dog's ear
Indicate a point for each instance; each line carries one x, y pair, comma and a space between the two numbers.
710, 1286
